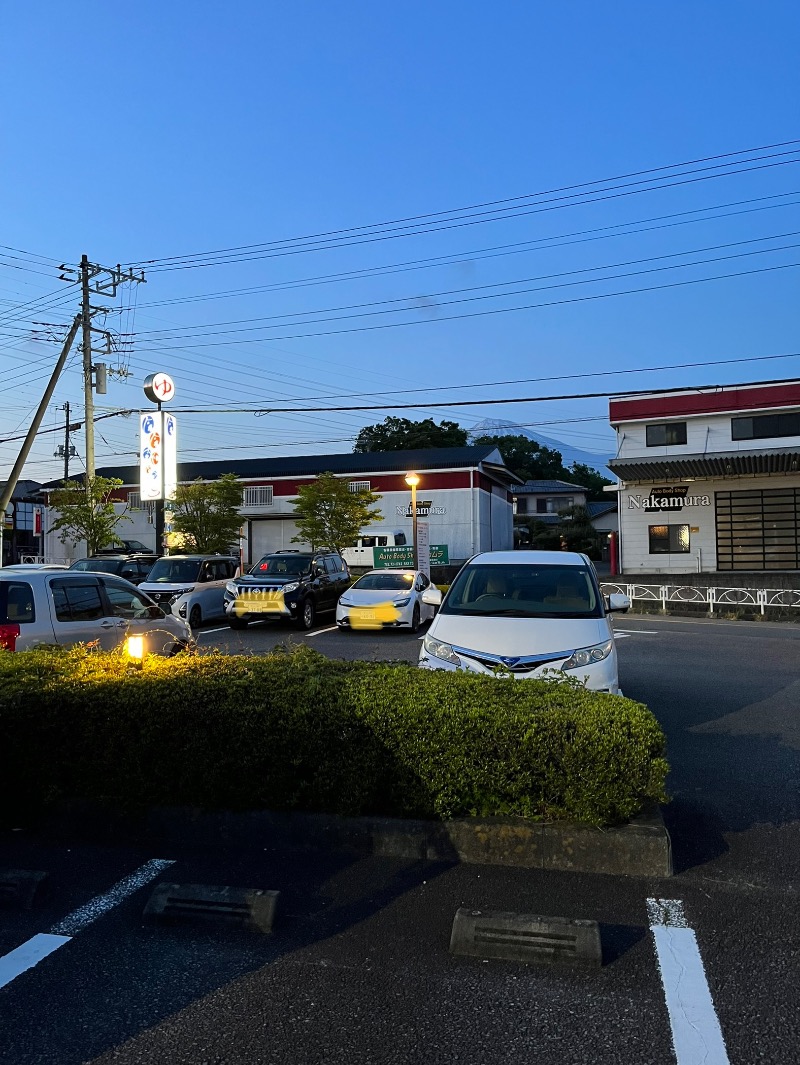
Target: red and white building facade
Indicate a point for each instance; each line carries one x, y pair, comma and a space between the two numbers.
709, 479
464, 494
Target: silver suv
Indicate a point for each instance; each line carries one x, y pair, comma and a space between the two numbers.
68, 607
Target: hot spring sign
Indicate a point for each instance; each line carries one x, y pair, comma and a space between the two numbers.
673, 497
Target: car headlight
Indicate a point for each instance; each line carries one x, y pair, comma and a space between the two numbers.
344, 600
231, 589
291, 587
403, 602
589, 656
441, 650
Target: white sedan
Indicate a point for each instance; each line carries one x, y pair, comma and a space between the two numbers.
387, 598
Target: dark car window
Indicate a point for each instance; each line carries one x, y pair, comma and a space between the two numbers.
125, 602
277, 565
98, 565
16, 602
330, 565
390, 582
130, 571
76, 601
524, 591
175, 571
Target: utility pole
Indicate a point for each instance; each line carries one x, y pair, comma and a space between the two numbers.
11, 483
66, 450
101, 281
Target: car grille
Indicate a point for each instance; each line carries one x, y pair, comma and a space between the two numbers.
513, 664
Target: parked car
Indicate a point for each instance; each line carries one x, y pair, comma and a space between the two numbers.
67, 607
362, 552
387, 598
36, 565
134, 568
293, 585
125, 547
191, 586
524, 613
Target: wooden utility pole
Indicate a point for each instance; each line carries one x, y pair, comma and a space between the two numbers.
94, 376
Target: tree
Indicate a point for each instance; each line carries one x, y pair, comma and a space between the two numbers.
330, 515
206, 513
592, 481
86, 512
527, 458
401, 434
579, 533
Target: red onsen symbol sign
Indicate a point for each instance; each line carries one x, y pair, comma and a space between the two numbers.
163, 386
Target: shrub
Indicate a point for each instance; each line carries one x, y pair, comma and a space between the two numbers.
297, 731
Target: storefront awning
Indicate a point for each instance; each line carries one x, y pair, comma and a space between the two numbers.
734, 464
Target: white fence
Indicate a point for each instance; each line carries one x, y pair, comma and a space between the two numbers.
714, 598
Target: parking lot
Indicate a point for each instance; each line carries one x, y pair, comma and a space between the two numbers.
358, 969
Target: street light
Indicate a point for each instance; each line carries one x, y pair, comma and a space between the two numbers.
412, 480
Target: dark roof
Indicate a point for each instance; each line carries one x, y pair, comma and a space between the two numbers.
735, 463
433, 458
23, 489
604, 507
548, 486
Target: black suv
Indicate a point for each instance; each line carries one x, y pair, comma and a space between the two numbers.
287, 584
133, 568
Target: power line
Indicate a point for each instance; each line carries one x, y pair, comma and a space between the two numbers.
381, 226
210, 329
482, 314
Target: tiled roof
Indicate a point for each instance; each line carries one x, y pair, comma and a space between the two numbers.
434, 458
548, 486
604, 507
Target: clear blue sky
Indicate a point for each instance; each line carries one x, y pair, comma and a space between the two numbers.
143, 132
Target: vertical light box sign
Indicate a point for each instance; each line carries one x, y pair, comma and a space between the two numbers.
151, 456
170, 453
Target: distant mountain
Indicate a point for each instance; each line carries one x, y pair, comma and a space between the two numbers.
569, 454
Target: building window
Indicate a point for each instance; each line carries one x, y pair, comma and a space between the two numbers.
134, 501
668, 539
758, 529
522, 505
359, 486
554, 504
665, 434
257, 496
765, 426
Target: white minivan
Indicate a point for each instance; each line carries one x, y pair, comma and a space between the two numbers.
524, 614
191, 586
361, 554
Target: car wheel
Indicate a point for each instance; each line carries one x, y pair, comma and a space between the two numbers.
237, 623
195, 617
415, 618
305, 618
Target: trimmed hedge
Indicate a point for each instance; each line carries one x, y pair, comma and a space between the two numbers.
297, 731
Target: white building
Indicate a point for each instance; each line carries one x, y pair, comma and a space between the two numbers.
464, 495
709, 479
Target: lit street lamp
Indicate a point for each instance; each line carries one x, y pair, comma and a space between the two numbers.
412, 480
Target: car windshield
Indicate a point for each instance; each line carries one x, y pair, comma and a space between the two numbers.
99, 565
281, 566
175, 571
390, 582
524, 591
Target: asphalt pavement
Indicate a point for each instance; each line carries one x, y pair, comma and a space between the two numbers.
357, 968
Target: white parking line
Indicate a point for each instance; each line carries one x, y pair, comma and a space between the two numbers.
32, 951
27, 955
319, 632
638, 632
696, 1034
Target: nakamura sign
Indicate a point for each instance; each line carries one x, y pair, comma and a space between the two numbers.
672, 497
424, 508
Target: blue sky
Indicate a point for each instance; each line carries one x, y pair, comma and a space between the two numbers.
141, 133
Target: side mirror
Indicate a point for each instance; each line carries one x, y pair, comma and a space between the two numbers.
432, 596
618, 602
155, 612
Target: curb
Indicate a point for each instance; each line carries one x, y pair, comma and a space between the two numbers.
640, 848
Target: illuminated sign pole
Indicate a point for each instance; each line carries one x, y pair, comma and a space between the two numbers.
158, 469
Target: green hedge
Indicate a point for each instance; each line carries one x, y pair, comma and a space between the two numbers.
297, 731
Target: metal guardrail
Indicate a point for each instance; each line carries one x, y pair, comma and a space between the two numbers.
713, 598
